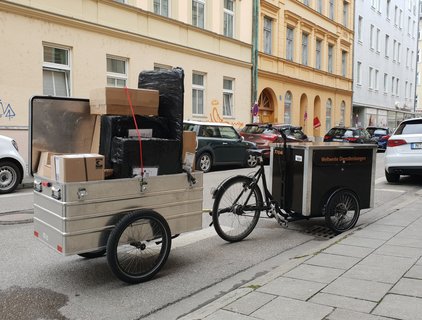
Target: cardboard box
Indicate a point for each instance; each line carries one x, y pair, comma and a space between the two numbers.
111, 100
78, 167
96, 135
189, 149
44, 165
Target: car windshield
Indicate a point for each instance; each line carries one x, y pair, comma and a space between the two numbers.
294, 132
336, 132
411, 127
380, 132
348, 133
256, 129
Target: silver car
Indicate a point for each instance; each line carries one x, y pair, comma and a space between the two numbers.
12, 165
404, 150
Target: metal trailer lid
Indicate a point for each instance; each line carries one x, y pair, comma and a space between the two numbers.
325, 145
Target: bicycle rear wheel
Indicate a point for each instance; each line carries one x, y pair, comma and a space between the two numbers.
235, 213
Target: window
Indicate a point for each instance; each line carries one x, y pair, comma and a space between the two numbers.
394, 50
56, 71
267, 35
331, 9
397, 86
385, 83
393, 81
328, 110
288, 107
116, 72
396, 15
228, 97
345, 13
342, 112
359, 73
371, 79
305, 37
377, 40
376, 79
198, 93
387, 40
318, 54
344, 63
289, 44
409, 20
306, 2
388, 9
330, 58
400, 19
398, 52
229, 18
228, 133
319, 6
360, 21
371, 37
407, 57
410, 91
161, 7
198, 13
405, 89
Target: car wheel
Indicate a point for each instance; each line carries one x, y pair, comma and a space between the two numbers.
10, 177
204, 162
392, 177
251, 161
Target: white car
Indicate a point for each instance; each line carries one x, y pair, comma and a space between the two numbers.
404, 150
12, 165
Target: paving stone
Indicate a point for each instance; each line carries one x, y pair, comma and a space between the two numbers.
343, 302
415, 272
380, 227
362, 242
400, 307
399, 240
356, 288
396, 219
364, 233
348, 250
333, 261
341, 314
399, 251
292, 288
314, 273
290, 309
409, 287
380, 268
227, 315
419, 262
250, 303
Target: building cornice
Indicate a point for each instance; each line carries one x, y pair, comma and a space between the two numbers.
269, 6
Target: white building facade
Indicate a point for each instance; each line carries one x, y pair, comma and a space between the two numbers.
385, 62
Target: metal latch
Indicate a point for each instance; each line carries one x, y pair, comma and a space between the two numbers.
82, 193
56, 192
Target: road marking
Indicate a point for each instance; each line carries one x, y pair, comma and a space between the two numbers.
391, 190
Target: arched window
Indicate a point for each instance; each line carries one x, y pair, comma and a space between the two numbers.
328, 110
342, 112
288, 107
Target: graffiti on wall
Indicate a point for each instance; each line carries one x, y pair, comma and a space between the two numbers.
6, 111
216, 117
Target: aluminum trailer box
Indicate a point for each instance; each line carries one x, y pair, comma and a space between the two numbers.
307, 173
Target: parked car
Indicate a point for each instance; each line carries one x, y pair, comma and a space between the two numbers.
352, 135
264, 133
379, 135
382, 142
220, 144
12, 165
404, 150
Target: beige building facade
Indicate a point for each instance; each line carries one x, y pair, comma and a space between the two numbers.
305, 63
67, 48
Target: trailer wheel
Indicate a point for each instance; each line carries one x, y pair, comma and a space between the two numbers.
138, 246
341, 210
93, 254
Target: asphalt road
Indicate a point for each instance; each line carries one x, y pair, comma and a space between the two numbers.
37, 282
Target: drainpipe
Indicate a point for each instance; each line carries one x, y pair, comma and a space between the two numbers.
255, 23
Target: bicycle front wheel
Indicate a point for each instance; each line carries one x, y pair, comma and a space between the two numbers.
236, 209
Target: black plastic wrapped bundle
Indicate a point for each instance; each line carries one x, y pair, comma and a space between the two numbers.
157, 153
119, 126
170, 84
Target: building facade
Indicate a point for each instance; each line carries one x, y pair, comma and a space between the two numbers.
418, 109
67, 48
304, 63
385, 62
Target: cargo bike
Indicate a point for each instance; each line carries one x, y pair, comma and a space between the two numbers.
308, 180
130, 220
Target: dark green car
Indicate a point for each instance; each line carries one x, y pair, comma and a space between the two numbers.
220, 144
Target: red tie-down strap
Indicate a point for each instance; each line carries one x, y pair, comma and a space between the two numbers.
137, 131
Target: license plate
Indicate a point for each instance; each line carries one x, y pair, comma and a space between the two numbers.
417, 145
338, 140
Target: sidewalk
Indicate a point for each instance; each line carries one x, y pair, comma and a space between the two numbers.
373, 272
